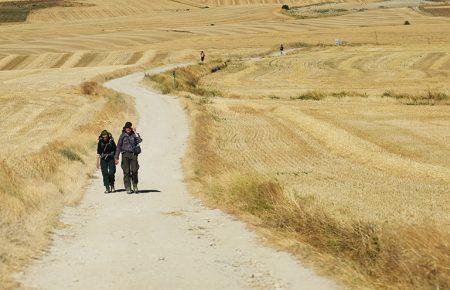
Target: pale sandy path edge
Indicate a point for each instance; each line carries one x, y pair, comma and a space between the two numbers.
160, 240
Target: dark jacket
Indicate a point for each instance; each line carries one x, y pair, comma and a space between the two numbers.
106, 150
127, 143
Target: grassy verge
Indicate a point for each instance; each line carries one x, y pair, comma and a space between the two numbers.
316, 95
187, 79
35, 186
420, 98
385, 256
317, 13
426, 98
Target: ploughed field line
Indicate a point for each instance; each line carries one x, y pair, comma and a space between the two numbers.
69, 60
355, 164
152, 25
364, 69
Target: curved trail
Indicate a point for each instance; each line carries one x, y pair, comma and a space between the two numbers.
163, 238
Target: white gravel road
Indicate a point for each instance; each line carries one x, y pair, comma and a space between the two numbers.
163, 238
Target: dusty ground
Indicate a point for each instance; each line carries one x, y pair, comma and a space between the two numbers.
44, 60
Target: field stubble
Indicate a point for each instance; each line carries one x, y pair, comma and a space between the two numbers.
363, 181
316, 72
290, 187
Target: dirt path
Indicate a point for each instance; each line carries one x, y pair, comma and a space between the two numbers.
162, 238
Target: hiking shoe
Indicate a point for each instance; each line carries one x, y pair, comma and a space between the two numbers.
107, 190
135, 189
129, 191
112, 188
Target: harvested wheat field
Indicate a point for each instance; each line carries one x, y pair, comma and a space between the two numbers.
361, 70
362, 178
336, 154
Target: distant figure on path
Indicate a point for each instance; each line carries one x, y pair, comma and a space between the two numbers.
129, 145
202, 56
106, 149
281, 49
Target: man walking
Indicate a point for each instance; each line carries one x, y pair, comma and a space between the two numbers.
129, 145
202, 56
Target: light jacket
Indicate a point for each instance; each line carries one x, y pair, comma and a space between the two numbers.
126, 143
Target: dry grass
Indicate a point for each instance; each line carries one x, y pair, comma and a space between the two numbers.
311, 95
89, 88
436, 10
48, 166
64, 46
427, 98
187, 79
13, 14
376, 250
204, 81
18, 11
303, 182
332, 177
318, 72
318, 13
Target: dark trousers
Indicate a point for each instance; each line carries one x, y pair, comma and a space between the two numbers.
130, 168
108, 171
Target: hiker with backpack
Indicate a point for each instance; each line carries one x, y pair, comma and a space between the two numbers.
202, 56
129, 145
106, 149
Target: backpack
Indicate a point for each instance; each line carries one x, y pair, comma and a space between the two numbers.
104, 154
137, 149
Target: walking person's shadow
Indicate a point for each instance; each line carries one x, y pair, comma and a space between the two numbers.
140, 191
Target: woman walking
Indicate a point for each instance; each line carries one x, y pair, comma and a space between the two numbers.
106, 149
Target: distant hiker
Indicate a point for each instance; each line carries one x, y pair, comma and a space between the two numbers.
106, 150
129, 146
281, 49
202, 56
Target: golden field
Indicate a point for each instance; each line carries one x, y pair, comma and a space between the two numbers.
360, 179
364, 179
367, 70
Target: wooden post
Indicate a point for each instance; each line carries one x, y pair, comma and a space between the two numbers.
174, 79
